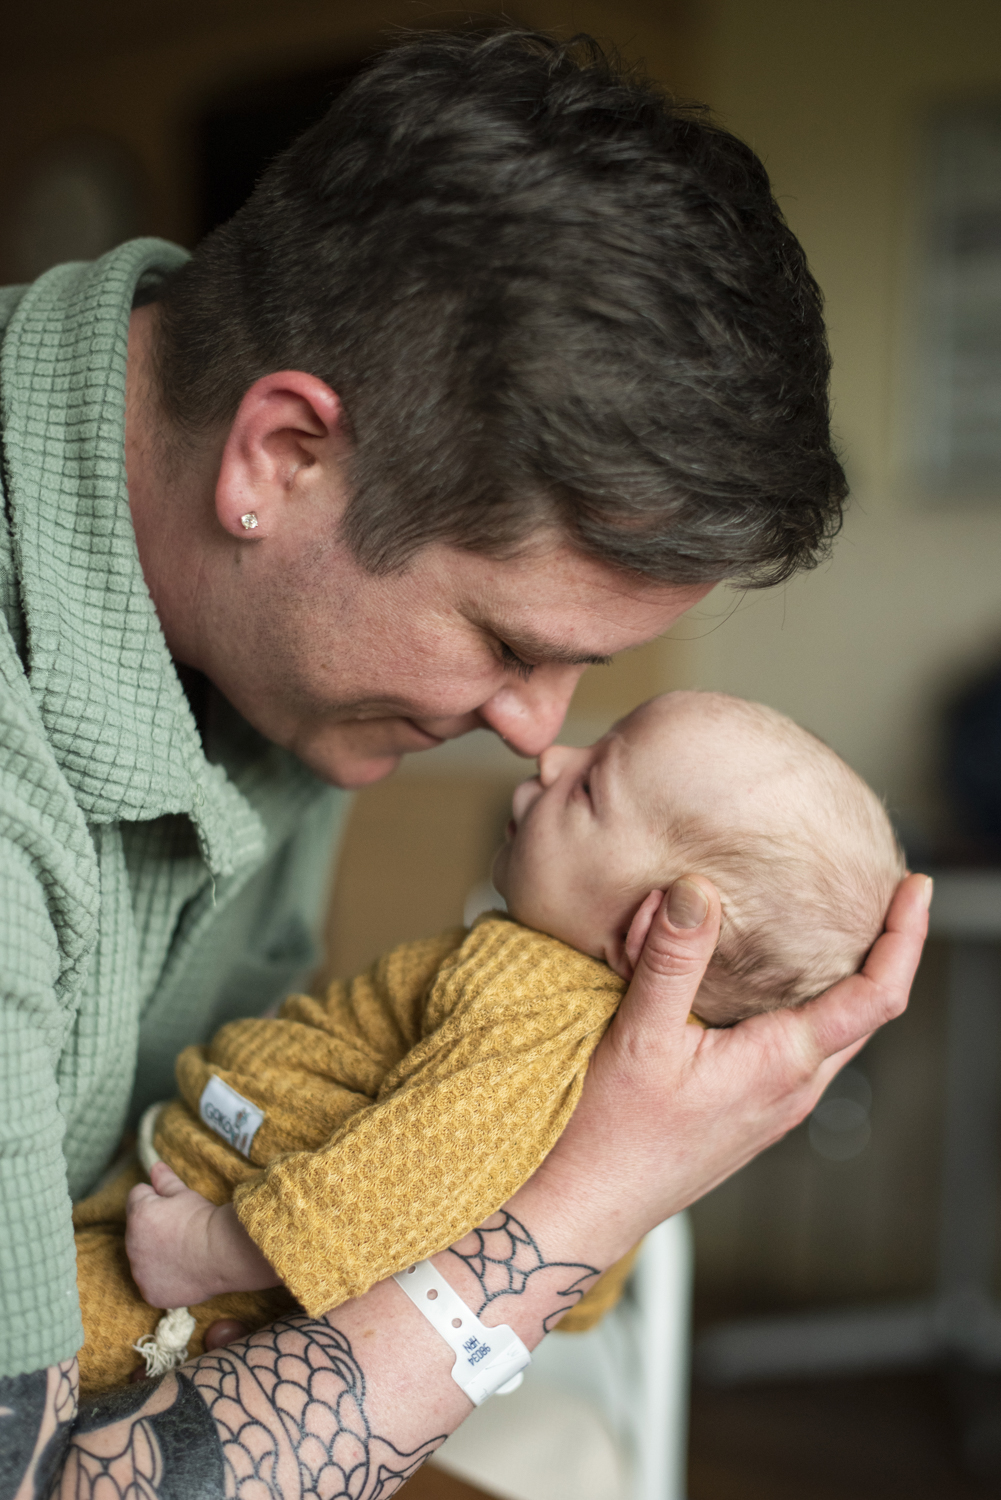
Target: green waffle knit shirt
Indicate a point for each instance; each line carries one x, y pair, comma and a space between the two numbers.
155, 882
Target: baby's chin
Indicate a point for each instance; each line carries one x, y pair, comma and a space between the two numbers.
499, 872
565, 931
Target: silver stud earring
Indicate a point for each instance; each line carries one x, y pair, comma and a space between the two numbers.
249, 521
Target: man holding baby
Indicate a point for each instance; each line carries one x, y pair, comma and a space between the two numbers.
504, 365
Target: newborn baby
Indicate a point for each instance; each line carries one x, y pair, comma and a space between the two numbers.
316, 1153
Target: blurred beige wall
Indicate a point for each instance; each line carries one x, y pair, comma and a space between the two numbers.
832, 95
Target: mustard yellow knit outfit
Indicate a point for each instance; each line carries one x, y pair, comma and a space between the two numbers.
400, 1111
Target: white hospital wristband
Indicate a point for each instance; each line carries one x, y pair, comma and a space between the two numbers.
487, 1360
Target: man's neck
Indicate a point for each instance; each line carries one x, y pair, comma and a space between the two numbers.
168, 493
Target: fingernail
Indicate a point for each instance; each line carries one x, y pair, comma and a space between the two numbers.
929, 890
686, 904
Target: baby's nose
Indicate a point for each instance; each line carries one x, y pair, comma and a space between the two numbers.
552, 761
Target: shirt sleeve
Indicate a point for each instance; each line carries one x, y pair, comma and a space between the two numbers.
49, 898
39, 1310
460, 1122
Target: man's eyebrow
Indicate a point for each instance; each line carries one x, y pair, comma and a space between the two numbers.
537, 650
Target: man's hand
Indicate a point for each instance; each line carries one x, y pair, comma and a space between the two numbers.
669, 1111
184, 1249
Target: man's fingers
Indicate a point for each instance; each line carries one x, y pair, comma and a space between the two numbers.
679, 945
892, 964
864, 1002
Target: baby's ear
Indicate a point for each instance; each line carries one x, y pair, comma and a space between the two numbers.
629, 947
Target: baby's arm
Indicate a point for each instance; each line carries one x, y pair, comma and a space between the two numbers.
184, 1249
463, 1119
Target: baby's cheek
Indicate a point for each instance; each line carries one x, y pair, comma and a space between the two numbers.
501, 866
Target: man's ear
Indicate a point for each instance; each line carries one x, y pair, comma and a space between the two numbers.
629, 946
287, 438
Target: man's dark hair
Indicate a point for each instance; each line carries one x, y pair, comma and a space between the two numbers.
545, 293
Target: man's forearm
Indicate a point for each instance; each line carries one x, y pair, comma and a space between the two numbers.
37, 1412
348, 1405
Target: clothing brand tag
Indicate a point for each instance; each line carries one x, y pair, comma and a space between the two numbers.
230, 1115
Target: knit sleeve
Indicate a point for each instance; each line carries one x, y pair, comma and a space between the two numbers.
39, 1313
459, 1124
308, 1070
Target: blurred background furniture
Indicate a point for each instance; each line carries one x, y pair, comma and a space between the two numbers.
600, 1415
961, 1322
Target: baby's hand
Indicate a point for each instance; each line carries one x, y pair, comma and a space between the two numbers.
167, 1240
184, 1249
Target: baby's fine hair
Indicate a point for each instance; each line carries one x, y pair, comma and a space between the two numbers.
804, 896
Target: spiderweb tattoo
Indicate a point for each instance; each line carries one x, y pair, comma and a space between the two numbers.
503, 1257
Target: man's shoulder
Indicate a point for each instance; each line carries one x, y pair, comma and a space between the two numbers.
42, 827
10, 296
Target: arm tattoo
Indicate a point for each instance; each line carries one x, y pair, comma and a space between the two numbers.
25, 1451
289, 1401
309, 1375
503, 1258
131, 1446
278, 1416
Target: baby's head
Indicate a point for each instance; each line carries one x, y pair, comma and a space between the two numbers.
799, 848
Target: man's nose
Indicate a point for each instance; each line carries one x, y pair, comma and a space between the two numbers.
528, 715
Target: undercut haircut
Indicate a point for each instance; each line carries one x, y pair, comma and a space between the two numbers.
546, 294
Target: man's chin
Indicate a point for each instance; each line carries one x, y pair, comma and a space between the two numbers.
351, 772
364, 773
357, 754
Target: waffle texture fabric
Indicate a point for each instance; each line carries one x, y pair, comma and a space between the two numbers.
152, 885
400, 1111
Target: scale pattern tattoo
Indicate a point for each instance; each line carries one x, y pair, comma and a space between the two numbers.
288, 1401
280, 1415
308, 1374
503, 1258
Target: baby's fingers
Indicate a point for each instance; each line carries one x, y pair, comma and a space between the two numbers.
139, 1195
165, 1180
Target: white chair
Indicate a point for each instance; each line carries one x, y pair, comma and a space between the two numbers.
600, 1415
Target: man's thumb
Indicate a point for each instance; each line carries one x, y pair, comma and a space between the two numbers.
681, 940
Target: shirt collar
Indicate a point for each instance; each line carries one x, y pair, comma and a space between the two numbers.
98, 665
